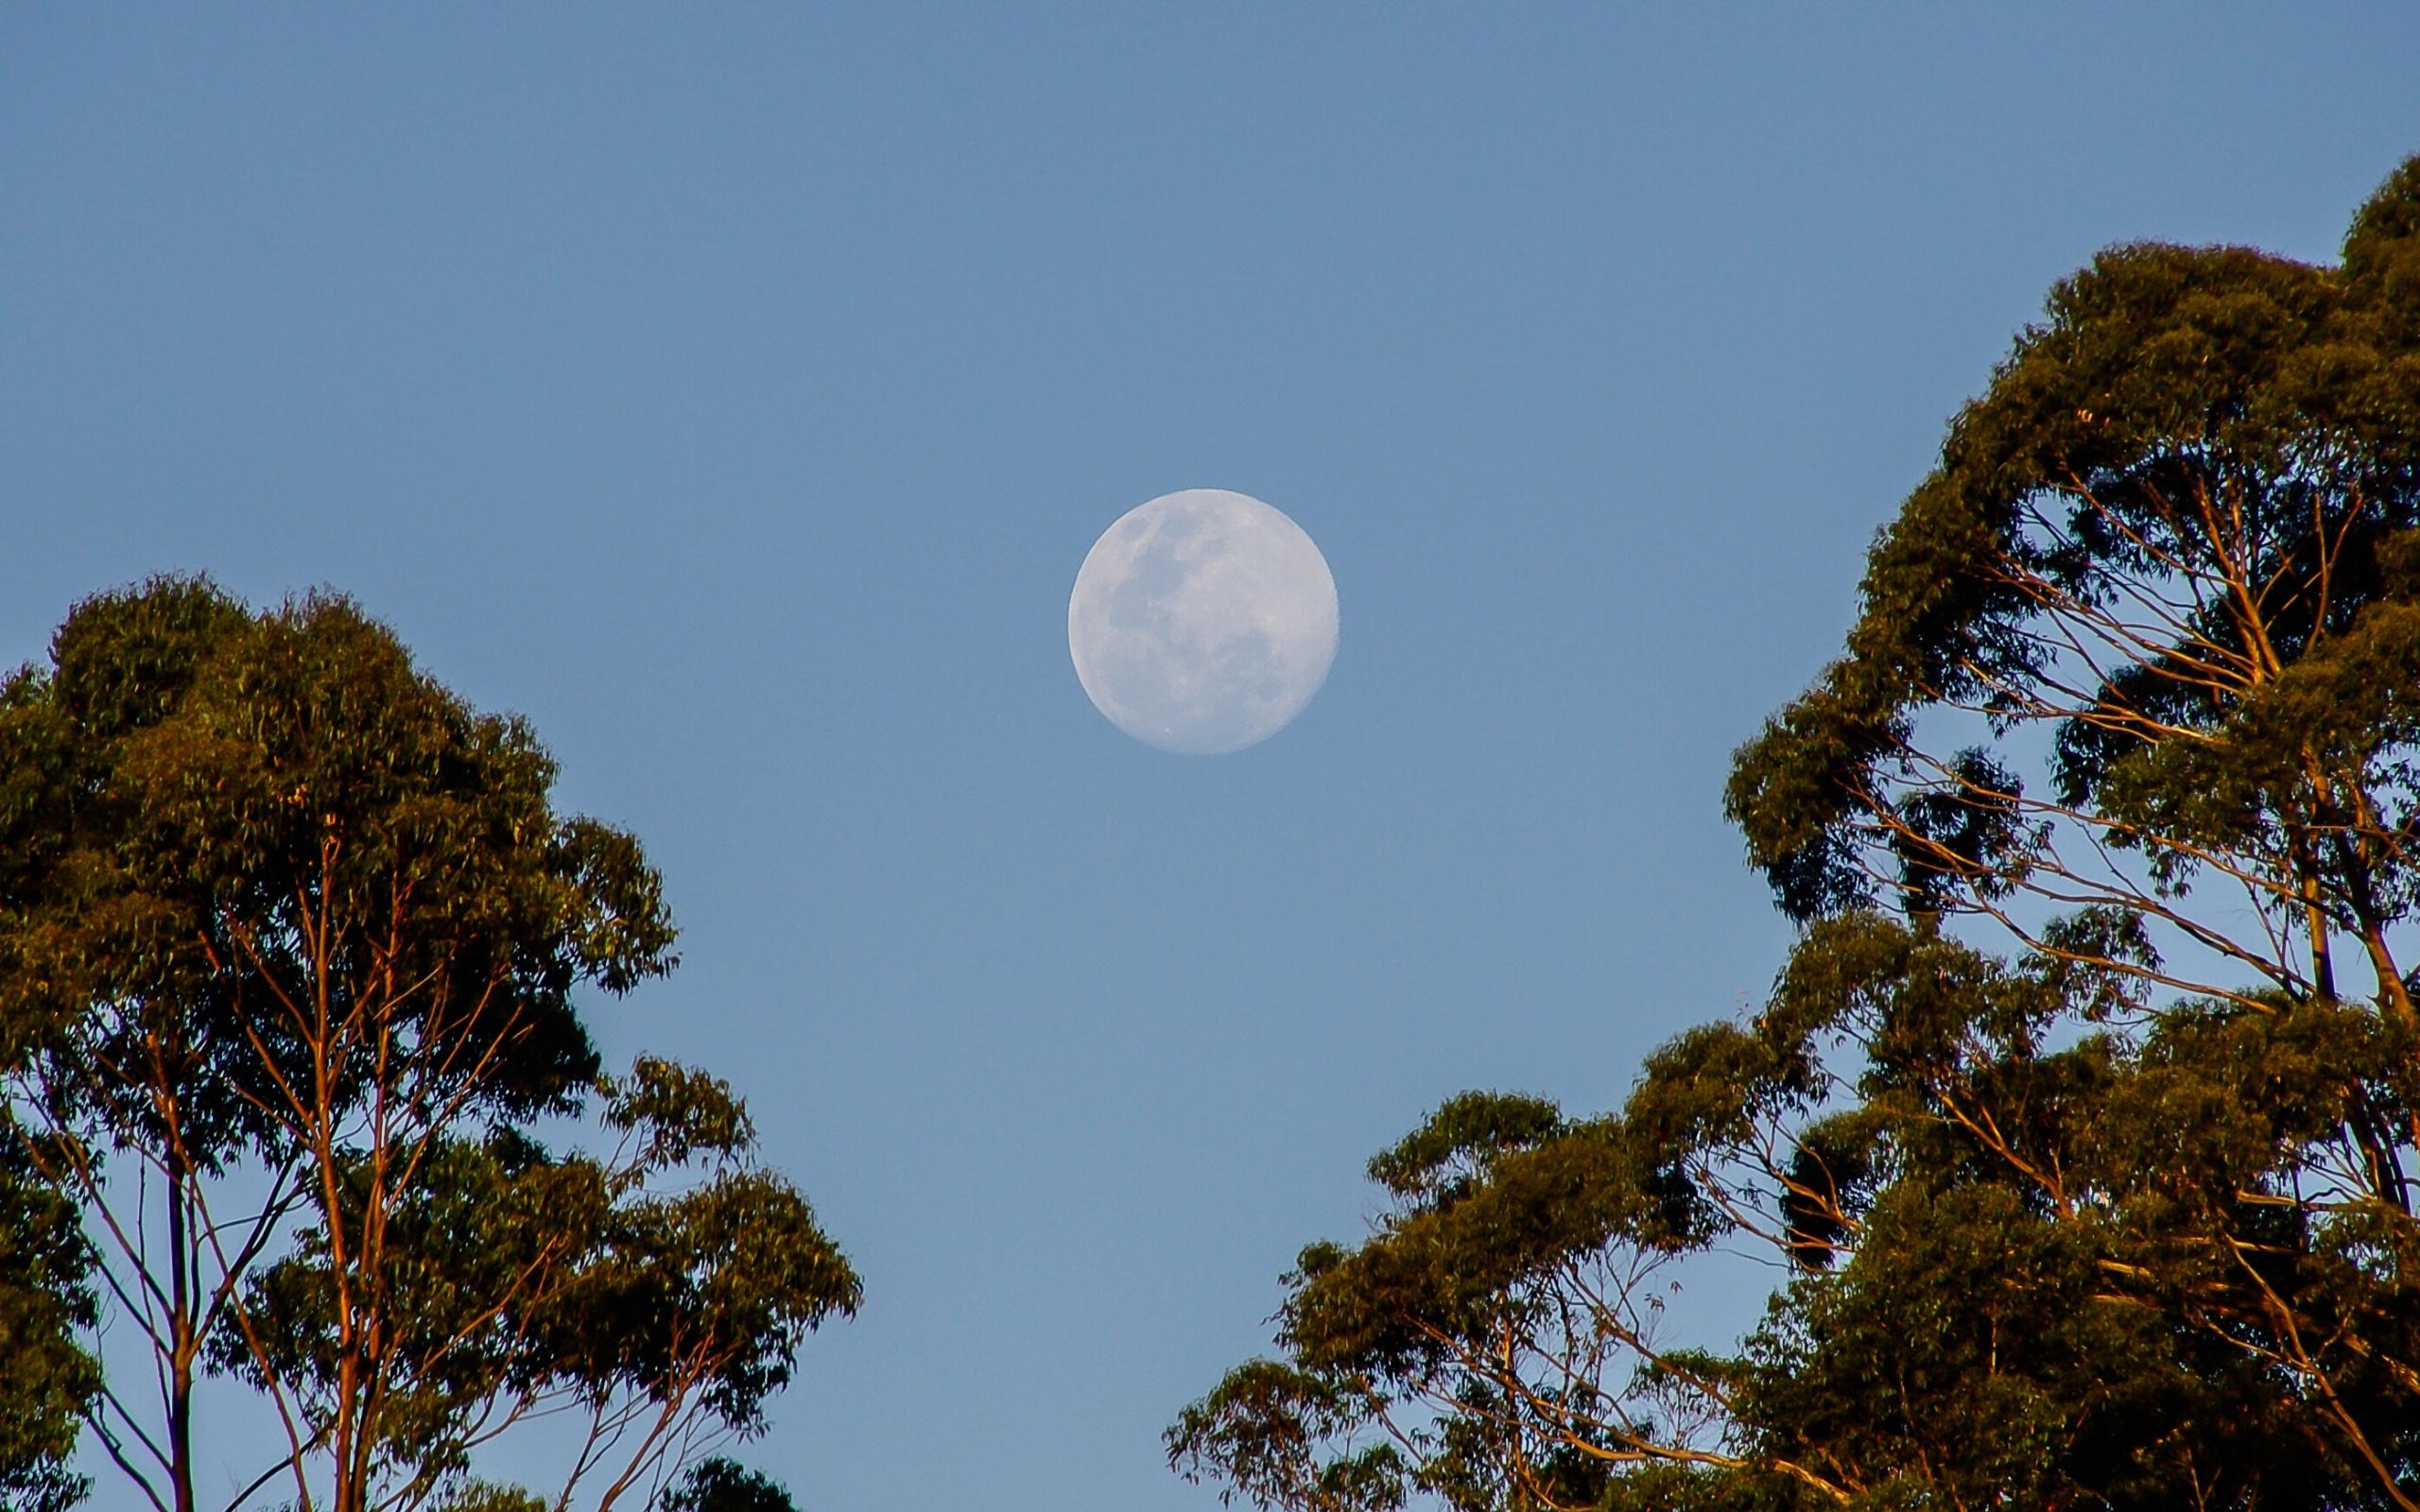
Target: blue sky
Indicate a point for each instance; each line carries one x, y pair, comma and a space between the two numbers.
736, 392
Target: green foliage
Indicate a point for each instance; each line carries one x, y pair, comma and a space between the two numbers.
719, 1484
291, 945
2091, 1167
527, 1280
45, 1378
1263, 1428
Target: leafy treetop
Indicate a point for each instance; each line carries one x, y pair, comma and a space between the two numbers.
2081, 1120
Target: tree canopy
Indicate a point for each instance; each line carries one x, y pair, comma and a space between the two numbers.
2082, 1117
292, 950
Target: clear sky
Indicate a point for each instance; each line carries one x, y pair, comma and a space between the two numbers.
735, 390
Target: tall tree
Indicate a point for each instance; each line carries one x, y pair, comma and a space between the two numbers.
290, 944
2084, 1112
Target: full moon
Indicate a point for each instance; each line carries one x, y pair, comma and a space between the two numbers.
1203, 622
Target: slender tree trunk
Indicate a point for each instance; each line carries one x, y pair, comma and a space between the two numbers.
181, 1343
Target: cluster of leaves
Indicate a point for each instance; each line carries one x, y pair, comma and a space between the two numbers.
290, 943
46, 1379
525, 1281
2090, 1165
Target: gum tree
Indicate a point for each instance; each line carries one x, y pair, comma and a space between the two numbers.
2083, 1115
291, 944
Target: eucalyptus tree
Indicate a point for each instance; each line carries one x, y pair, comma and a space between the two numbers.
2082, 1117
291, 944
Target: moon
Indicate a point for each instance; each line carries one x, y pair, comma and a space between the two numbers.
1203, 622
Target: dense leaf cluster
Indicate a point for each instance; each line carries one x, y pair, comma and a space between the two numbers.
2083, 1116
46, 1379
